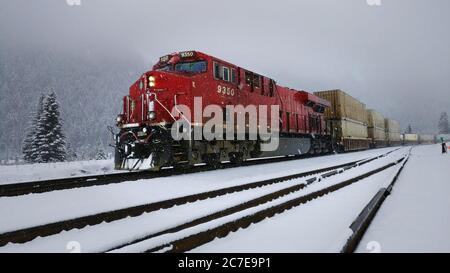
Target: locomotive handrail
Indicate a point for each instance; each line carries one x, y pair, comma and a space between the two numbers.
278, 94
181, 113
162, 105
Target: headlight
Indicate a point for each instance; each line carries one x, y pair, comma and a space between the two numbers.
119, 119
151, 81
151, 115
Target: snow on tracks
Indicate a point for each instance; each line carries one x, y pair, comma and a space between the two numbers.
137, 213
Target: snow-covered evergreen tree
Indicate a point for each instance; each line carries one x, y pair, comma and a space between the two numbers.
100, 152
71, 154
30, 145
409, 129
49, 134
443, 125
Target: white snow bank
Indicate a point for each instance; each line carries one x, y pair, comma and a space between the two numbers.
34, 172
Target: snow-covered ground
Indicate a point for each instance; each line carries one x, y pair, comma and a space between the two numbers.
320, 225
106, 235
268, 233
412, 219
33, 172
416, 216
37, 209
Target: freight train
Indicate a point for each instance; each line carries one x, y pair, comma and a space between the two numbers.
183, 87
169, 94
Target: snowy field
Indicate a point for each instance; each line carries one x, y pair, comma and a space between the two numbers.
34, 172
413, 219
416, 216
250, 237
37, 209
108, 235
320, 225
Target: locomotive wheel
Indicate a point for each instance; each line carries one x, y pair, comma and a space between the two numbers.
236, 158
182, 166
213, 160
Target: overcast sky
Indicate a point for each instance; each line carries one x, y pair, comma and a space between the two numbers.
395, 57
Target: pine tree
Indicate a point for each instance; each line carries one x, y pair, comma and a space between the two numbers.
100, 152
71, 154
30, 145
409, 129
51, 139
443, 125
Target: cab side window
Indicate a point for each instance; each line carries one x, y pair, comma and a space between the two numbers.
233, 76
256, 81
262, 87
270, 88
248, 78
226, 74
218, 72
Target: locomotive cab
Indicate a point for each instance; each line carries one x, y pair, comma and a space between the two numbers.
148, 110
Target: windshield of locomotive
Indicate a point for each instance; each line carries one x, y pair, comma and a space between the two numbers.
186, 67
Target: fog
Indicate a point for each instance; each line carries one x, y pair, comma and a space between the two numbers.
395, 57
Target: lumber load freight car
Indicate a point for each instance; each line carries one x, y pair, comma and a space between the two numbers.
393, 135
376, 129
346, 120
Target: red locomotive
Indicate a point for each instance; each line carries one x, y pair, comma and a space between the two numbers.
145, 140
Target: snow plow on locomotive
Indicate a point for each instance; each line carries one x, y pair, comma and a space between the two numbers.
189, 93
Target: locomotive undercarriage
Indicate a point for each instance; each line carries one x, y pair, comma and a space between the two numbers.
153, 148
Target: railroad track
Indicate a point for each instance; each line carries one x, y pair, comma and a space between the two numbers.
200, 238
28, 234
43, 186
364, 219
25, 235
